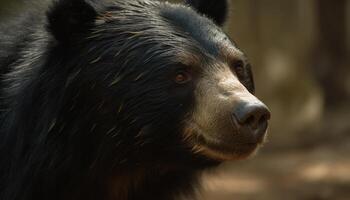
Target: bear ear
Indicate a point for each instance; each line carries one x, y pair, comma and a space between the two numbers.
70, 18
217, 10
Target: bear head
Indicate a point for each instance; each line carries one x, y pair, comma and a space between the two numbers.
145, 80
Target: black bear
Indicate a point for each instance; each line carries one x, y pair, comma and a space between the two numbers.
123, 100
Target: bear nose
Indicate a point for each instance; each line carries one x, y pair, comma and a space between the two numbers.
253, 115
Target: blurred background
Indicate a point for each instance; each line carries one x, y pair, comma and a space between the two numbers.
300, 51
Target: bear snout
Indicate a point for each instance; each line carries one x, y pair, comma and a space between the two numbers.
251, 118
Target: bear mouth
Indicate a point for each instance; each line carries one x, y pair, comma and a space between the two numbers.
222, 149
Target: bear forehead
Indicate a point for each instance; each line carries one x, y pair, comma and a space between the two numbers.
202, 30
172, 23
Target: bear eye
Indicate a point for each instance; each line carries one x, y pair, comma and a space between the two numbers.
182, 77
238, 66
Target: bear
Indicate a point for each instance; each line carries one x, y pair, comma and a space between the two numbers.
122, 100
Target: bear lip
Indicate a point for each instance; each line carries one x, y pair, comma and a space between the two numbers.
220, 149
225, 154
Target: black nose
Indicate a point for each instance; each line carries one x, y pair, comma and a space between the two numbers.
253, 115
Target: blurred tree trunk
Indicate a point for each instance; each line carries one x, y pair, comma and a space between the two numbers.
329, 60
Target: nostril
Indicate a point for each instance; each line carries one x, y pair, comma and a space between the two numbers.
264, 118
250, 120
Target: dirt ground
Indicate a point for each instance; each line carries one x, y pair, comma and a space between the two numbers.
320, 173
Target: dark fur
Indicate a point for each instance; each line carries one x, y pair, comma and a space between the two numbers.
214, 9
87, 110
